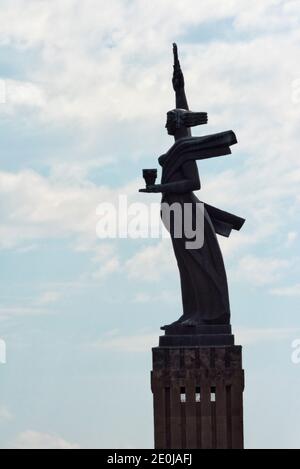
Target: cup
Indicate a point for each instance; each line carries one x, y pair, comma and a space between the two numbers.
150, 176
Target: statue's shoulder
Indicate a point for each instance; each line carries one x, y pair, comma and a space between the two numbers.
182, 143
178, 150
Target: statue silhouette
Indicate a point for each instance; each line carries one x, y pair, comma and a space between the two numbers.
205, 297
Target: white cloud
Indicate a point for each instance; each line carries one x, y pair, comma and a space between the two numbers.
16, 311
291, 290
76, 172
5, 414
27, 248
38, 207
25, 94
31, 306
37, 440
142, 297
261, 271
138, 343
152, 262
250, 336
109, 267
102, 56
48, 297
291, 237
282, 15
161, 297
103, 252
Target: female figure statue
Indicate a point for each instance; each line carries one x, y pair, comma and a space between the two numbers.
203, 279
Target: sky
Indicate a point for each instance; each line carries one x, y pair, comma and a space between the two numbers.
84, 90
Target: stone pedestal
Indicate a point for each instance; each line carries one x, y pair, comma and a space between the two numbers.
197, 385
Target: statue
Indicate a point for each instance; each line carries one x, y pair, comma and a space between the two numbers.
205, 297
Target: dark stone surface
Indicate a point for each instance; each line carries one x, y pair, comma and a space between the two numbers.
185, 336
180, 329
193, 340
198, 397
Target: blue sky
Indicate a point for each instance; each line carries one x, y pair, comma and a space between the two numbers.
87, 89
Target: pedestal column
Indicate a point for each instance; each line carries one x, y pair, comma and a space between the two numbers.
197, 385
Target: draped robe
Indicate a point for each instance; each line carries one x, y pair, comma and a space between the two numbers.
203, 279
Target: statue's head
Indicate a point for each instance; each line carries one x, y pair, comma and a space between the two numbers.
179, 118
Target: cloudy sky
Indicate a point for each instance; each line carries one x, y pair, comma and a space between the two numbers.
84, 90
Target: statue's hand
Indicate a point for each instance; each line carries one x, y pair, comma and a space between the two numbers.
154, 188
151, 189
178, 79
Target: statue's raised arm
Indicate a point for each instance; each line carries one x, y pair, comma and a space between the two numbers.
178, 82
